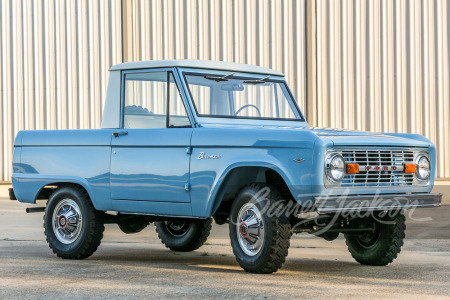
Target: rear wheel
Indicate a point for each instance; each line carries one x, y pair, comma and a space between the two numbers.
72, 226
135, 225
380, 247
259, 231
184, 235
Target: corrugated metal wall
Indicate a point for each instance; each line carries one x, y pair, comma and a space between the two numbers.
55, 57
384, 66
372, 65
266, 33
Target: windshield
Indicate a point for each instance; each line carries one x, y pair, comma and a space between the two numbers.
229, 96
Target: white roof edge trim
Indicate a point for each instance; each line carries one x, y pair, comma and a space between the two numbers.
198, 64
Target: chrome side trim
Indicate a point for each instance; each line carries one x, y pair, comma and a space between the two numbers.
162, 216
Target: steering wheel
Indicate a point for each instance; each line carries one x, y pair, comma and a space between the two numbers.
248, 105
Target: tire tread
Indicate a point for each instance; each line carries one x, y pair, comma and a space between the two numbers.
394, 240
95, 231
204, 228
281, 234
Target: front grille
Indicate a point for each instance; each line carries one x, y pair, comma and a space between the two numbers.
378, 158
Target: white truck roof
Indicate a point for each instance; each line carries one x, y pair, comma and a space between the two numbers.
198, 64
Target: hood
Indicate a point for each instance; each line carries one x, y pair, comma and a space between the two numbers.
337, 137
358, 138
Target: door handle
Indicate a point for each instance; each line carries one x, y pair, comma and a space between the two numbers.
116, 134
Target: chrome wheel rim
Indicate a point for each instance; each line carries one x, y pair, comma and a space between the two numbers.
67, 221
250, 229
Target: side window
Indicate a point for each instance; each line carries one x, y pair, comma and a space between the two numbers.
147, 99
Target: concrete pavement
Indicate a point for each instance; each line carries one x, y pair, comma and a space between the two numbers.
138, 265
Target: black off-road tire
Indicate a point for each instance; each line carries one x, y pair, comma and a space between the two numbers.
92, 228
134, 225
277, 229
383, 246
189, 238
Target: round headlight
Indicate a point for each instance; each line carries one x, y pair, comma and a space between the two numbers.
335, 168
423, 167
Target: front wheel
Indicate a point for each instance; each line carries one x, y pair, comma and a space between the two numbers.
184, 235
260, 231
380, 247
74, 229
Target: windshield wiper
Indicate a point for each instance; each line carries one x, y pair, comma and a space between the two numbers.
257, 81
219, 78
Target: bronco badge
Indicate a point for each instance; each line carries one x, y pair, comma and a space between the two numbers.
202, 155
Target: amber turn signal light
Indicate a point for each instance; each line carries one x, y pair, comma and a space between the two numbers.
410, 168
352, 168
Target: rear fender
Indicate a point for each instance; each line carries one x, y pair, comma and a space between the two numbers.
28, 186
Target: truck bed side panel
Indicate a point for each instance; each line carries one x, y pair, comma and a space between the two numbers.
75, 156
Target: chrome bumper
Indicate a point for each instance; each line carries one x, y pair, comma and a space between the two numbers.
334, 204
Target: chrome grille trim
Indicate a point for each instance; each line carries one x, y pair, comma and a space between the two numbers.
374, 157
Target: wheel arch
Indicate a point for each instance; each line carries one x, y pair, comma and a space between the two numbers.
238, 176
30, 189
46, 190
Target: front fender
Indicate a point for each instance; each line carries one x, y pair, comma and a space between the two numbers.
215, 196
208, 175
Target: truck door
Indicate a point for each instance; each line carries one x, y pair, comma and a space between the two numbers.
149, 159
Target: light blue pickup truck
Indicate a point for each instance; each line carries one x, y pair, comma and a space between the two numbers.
184, 142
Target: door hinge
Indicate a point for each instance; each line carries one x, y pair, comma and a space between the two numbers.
189, 150
187, 187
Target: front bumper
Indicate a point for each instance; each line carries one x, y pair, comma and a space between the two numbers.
336, 204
